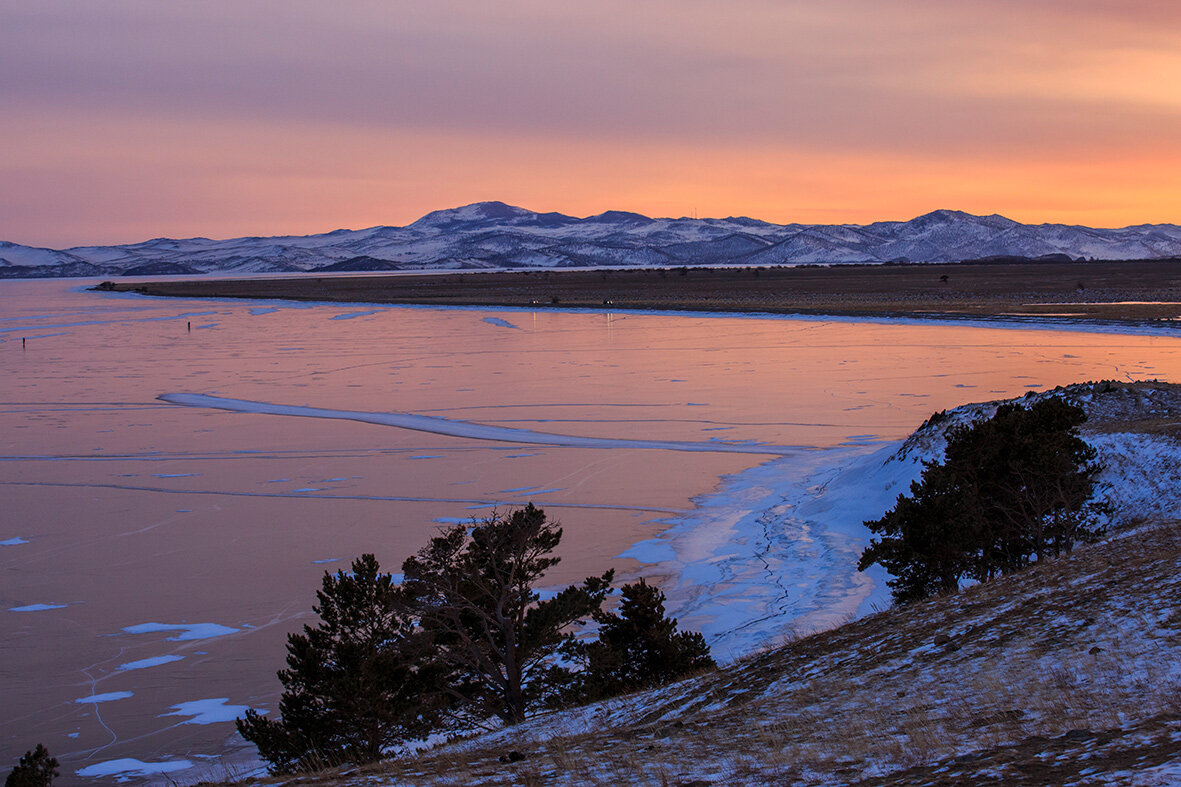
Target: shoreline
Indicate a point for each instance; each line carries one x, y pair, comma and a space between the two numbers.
1114, 293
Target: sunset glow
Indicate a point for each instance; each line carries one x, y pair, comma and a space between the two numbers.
125, 120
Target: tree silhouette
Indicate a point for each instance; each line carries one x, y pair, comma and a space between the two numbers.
474, 594
639, 646
35, 769
356, 684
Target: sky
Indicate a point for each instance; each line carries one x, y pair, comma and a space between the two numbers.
123, 120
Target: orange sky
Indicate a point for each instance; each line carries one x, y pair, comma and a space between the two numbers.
129, 119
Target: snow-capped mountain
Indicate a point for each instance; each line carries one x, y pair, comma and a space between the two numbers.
496, 235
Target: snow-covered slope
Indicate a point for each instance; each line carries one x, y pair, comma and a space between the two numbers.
495, 235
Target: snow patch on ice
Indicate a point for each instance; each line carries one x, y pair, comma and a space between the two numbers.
500, 323
110, 696
353, 315
155, 661
189, 631
210, 711
36, 607
11, 542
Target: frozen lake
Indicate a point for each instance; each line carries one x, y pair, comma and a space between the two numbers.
176, 475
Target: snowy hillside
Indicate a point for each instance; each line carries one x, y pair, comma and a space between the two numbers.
494, 235
1067, 670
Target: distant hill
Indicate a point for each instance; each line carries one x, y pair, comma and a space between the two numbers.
493, 235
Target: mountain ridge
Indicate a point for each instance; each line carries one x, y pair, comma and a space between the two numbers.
495, 235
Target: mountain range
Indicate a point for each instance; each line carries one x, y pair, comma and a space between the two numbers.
493, 235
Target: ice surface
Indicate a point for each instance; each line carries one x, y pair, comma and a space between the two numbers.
35, 607
11, 542
189, 630
500, 323
155, 661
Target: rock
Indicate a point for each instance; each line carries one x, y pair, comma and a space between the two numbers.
512, 756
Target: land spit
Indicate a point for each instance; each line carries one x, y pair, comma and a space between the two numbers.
1110, 291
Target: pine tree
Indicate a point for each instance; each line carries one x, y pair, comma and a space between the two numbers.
1012, 490
35, 769
474, 593
356, 684
639, 646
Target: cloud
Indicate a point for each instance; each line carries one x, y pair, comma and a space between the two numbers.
129, 114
